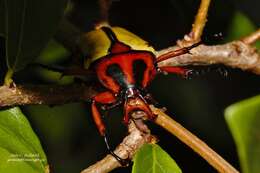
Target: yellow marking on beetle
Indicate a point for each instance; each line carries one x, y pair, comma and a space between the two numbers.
96, 43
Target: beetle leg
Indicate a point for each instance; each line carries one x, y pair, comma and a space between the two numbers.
123, 162
112, 105
150, 99
177, 52
103, 98
174, 70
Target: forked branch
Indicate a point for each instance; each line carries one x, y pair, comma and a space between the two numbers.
126, 149
198, 25
252, 38
137, 138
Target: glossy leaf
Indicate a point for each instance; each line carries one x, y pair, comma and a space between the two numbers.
29, 26
243, 119
151, 158
20, 149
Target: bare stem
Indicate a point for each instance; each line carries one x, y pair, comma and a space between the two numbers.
44, 94
200, 20
198, 26
193, 142
252, 38
104, 6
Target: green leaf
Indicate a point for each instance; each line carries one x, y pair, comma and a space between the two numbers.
151, 158
20, 149
243, 119
240, 26
29, 26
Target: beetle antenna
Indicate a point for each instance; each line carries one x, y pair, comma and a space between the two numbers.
174, 53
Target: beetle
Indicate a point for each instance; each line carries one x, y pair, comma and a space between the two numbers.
117, 72
124, 71
125, 74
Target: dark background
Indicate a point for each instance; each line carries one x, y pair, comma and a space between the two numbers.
67, 132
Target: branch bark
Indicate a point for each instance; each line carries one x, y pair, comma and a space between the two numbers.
252, 38
44, 94
236, 54
126, 149
192, 141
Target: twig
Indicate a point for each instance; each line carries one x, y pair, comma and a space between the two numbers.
131, 143
252, 38
198, 25
44, 94
235, 54
104, 6
193, 142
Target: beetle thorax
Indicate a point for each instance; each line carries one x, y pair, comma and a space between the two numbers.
126, 70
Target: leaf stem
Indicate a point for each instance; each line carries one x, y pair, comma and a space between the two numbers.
193, 142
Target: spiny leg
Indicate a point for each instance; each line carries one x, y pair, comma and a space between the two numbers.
123, 162
104, 98
177, 52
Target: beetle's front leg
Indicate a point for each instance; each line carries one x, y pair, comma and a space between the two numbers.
103, 98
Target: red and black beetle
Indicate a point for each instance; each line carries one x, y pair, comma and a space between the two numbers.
125, 73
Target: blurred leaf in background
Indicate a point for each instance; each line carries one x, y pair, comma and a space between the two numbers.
153, 159
243, 119
20, 149
52, 54
239, 27
28, 26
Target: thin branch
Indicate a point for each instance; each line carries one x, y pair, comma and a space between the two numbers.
252, 38
234, 54
104, 6
193, 142
130, 144
44, 94
198, 26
